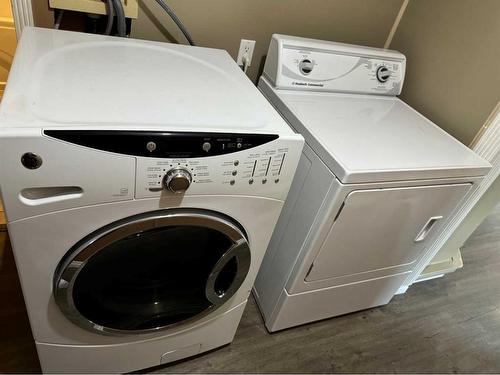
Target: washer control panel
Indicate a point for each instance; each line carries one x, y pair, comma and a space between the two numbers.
308, 64
161, 144
258, 171
197, 163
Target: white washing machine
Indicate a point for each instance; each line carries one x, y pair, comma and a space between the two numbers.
376, 182
142, 182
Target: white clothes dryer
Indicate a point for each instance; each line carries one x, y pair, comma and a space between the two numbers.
142, 182
376, 182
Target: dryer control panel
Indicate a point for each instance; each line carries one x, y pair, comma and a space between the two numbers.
308, 64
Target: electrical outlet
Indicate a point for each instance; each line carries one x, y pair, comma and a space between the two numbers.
246, 48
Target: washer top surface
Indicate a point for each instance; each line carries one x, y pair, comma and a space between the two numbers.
75, 80
368, 138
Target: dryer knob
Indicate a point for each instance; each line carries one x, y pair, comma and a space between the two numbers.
383, 74
177, 180
306, 66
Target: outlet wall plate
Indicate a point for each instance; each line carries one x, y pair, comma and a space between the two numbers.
246, 47
95, 6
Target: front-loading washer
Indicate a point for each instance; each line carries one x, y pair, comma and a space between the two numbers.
376, 182
142, 182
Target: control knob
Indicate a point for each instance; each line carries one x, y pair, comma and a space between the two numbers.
306, 66
383, 74
177, 180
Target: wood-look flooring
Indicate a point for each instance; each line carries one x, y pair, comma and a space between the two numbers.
17, 348
447, 325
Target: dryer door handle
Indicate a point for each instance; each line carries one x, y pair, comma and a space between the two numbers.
427, 228
228, 273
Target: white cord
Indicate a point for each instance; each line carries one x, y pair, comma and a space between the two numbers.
245, 63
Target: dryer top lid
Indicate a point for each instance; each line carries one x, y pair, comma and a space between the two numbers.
77, 80
367, 138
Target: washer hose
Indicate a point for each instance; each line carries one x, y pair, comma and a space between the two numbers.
111, 17
177, 21
120, 18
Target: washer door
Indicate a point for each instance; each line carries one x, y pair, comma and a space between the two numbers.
151, 271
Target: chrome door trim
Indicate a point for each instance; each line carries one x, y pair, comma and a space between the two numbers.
77, 257
241, 252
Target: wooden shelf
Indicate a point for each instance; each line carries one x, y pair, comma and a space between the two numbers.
94, 6
3, 222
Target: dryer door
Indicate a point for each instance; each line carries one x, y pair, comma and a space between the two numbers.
384, 230
151, 271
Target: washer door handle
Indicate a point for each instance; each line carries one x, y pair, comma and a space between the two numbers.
240, 252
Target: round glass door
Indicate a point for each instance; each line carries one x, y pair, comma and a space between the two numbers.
152, 270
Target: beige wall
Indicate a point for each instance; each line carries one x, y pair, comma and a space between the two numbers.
222, 23
453, 52
42, 14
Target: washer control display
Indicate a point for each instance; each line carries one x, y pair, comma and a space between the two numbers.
155, 144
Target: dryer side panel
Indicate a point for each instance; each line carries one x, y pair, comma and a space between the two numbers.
301, 212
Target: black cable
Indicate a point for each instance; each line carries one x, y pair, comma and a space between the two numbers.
177, 21
120, 18
57, 23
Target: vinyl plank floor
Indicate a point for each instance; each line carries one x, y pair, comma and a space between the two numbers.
447, 325
17, 348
